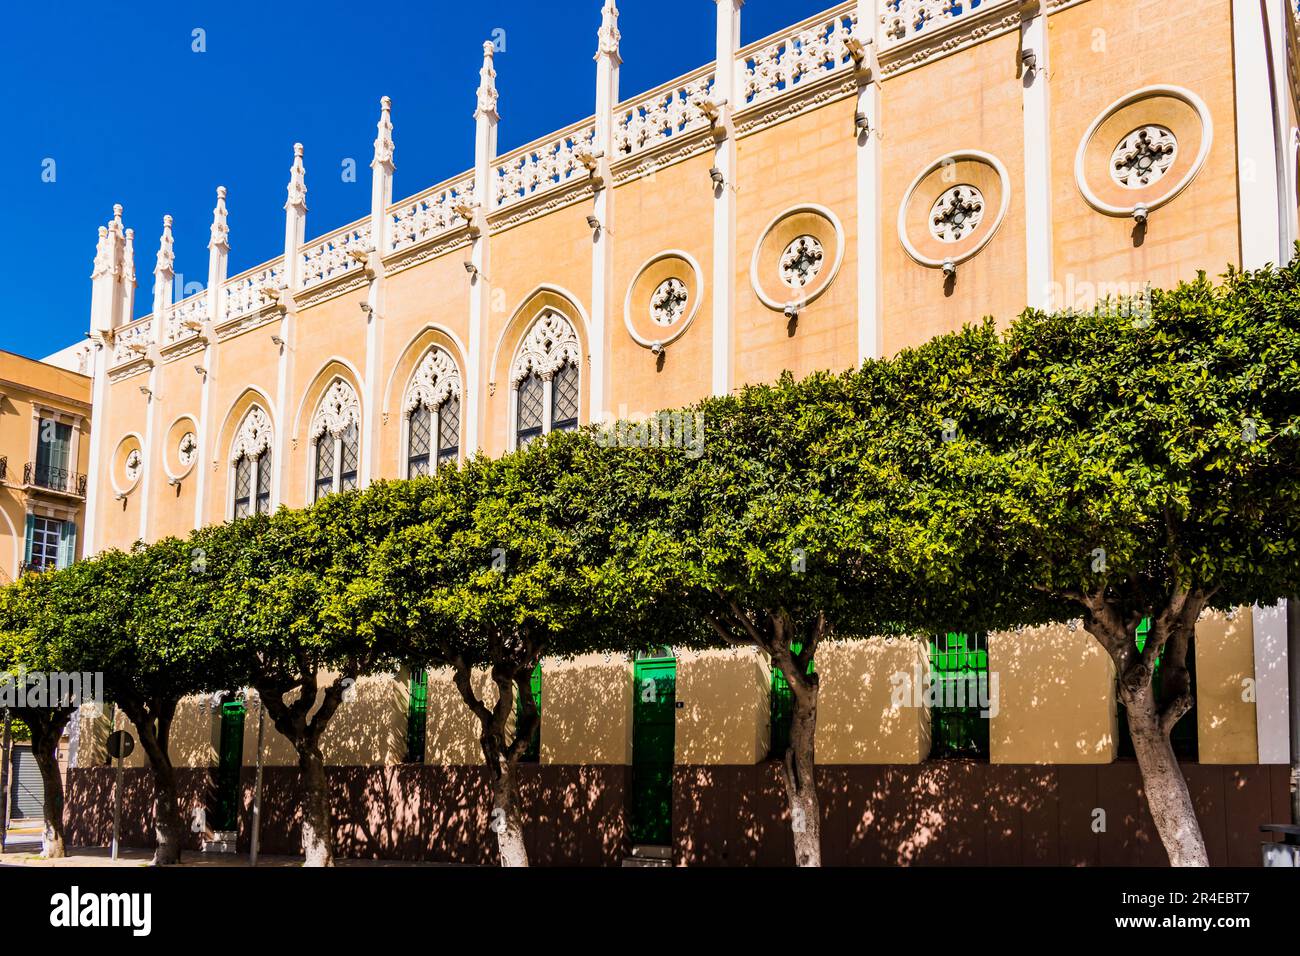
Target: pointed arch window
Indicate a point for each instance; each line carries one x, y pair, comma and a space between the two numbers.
336, 440
432, 409
251, 465
545, 378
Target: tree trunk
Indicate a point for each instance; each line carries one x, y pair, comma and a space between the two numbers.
166, 813
799, 773
506, 820
44, 741
1166, 790
317, 828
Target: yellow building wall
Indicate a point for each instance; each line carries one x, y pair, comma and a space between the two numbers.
1102, 50
723, 707
1225, 670
811, 158
587, 710
671, 208
452, 731
968, 100
1055, 698
868, 710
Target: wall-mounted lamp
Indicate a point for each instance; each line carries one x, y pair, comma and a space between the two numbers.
593, 223
146, 391
657, 348
949, 268
277, 341
792, 311
471, 268
719, 180
201, 370
1140, 213
366, 307
861, 125
1029, 60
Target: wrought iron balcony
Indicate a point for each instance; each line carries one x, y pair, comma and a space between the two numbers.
60, 480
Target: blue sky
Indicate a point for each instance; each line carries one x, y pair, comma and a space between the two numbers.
116, 97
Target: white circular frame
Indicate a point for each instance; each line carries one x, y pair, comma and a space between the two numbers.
757, 285
184, 472
1146, 92
112, 469
695, 295
957, 156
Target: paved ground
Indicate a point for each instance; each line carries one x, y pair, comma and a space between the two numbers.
99, 857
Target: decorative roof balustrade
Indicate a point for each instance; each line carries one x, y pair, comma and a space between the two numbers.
904, 20
811, 50
424, 216
247, 293
663, 114
185, 318
132, 341
333, 256
538, 169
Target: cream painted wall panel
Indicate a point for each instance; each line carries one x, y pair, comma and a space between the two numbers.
1225, 661
861, 718
723, 699
1102, 50
452, 731
1055, 699
587, 710
809, 159
125, 413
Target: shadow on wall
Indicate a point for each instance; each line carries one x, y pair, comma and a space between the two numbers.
960, 812
574, 815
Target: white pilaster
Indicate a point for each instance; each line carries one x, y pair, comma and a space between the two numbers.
1038, 155
295, 234
724, 202
105, 305
868, 184
1257, 192
381, 197
602, 257
485, 151
218, 262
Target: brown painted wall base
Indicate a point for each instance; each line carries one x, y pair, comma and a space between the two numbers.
958, 812
949, 812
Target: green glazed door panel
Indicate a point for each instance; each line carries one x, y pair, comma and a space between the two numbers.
230, 759
654, 718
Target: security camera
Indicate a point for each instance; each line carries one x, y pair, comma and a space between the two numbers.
715, 174
1029, 60
593, 222
657, 348
949, 268
277, 341
471, 268
366, 307
792, 311
860, 123
146, 391
1140, 213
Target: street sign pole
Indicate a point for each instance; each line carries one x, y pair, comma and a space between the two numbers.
257, 788
4, 781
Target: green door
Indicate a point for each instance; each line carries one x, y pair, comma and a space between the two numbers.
653, 720
230, 758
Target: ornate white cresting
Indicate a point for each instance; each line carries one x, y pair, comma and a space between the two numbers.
384, 138
549, 344
668, 302
543, 168
436, 379
801, 261
801, 57
338, 409
956, 213
297, 189
1143, 156
608, 37
166, 260
254, 435
220, 231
